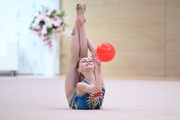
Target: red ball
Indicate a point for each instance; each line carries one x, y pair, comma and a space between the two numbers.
105, 52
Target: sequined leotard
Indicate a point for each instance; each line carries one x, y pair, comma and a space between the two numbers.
88, 100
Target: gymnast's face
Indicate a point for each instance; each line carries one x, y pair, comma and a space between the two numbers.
85, 64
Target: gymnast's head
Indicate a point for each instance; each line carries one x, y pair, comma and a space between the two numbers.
85, 65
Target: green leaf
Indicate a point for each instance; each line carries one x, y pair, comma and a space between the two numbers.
49, 31
62, 14
30, 27
53, 12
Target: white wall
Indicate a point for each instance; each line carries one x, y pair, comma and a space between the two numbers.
15, 18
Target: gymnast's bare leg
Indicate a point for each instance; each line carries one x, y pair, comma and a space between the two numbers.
79, 49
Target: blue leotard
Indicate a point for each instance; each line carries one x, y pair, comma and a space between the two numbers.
88, 100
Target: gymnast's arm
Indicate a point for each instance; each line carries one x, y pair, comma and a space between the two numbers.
92, 48
97, 86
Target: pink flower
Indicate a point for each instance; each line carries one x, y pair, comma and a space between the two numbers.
59, 30
37, 32
44, 30
57, 21
43, 22
54, 31
40, 18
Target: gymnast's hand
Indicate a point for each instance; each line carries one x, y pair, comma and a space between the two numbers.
96, 60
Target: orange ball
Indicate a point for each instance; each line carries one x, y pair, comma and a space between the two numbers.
105, 52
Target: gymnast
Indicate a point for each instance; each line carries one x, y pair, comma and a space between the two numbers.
84, 86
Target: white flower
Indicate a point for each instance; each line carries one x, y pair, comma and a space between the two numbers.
50, 23
47, 19
38, 26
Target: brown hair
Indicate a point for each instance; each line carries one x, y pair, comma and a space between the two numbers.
80, 74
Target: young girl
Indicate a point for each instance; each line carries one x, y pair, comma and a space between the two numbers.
84, 86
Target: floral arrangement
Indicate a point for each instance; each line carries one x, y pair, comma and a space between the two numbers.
47, 22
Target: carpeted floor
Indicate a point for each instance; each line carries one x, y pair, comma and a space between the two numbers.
31, 98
